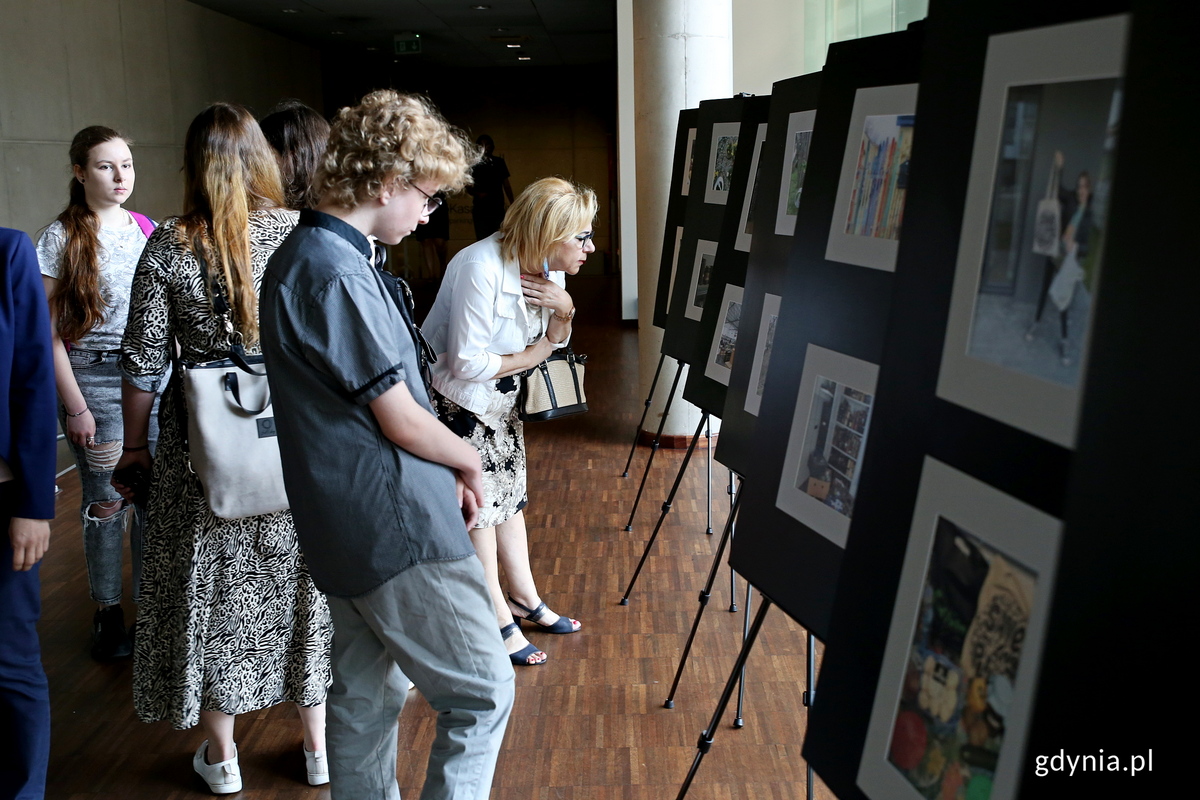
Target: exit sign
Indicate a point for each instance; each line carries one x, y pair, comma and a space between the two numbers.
407, 44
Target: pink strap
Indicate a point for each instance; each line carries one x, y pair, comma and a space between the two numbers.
144, 222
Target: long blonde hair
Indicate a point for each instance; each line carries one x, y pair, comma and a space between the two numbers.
549, 211
229, 171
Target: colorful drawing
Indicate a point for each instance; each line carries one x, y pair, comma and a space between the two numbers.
881, 177
796, 175
962, 666
723, 169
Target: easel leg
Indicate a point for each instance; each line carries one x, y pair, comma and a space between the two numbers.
704, 744
657, 440
666, 506
708, 475
705, 594
733, 575
809, 694
738, 721
637, 432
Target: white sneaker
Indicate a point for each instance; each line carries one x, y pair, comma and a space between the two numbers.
317, 765
224, 777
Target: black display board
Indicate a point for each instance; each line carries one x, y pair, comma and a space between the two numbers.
713, 153
1006, 571
713, 353
681, 175
829, 335
782, 162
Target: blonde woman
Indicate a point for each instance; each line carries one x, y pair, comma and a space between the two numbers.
503, 308
229, 620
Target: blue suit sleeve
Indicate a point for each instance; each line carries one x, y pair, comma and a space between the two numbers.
31, 396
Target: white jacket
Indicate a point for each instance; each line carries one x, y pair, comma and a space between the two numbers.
479, 316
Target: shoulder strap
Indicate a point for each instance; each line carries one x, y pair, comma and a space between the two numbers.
145, 223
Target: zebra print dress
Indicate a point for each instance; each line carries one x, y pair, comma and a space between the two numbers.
229, 618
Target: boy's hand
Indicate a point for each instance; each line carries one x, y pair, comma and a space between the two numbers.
468, 500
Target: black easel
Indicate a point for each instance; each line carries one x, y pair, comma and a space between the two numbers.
666, 506
704, 743
662, 423
705, 594
637, 431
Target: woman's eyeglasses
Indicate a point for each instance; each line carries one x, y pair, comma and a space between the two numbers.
432, 202
584, 238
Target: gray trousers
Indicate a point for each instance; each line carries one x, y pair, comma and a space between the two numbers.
435, 624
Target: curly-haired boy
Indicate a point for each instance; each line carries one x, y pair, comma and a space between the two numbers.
382, 493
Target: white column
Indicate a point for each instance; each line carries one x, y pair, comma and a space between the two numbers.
683, 53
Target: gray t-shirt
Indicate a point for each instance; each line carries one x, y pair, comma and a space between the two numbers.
118, 254
334, 340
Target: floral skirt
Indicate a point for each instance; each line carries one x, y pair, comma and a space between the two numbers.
502, 451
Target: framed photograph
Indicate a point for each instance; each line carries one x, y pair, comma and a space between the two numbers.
720, 356
955, 692
1032, 245
721, 154
795, 162
827, 442
702, 269
687, 160
869, 209
762, 352
745, 231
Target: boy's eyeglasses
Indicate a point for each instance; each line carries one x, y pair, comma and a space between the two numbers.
584, 238
432, 202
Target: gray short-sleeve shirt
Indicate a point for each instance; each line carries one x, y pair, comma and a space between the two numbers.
334, 340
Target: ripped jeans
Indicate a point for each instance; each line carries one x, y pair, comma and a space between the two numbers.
103, 511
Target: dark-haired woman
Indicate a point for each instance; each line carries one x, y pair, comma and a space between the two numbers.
87, 258
230, 621
298, 134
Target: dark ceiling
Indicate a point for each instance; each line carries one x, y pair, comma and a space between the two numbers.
453, 33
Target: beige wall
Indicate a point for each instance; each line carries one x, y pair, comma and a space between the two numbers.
144, 67
768, 43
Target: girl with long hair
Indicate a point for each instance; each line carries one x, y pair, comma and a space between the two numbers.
230, 621
87, 258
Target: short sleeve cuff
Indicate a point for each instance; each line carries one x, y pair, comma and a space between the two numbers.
145, 383
378, 385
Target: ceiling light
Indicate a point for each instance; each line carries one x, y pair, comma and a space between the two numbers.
524, 58
501, 30
481, 8
512, 46
291, 11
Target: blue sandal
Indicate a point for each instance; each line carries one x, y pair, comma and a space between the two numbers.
522, 656
562, 625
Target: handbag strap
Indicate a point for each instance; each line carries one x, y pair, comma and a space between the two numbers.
545, 370
237, 352
231, 386
401, 294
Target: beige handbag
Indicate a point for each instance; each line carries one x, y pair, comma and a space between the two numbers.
231, 436
553, 388
231, 426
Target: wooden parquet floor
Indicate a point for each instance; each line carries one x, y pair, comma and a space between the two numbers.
588, 725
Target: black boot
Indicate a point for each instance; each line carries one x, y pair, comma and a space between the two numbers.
110, 640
